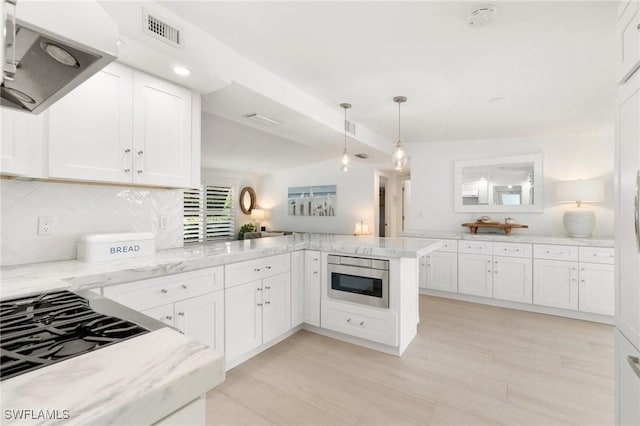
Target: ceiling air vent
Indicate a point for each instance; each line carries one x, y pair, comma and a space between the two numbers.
350, 127
160, 29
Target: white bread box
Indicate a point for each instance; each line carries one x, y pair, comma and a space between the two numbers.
101, 247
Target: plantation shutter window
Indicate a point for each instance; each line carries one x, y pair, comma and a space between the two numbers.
208, 214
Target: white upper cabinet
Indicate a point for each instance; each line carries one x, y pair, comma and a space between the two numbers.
90, 129
21, 142
628, 29
161, 132
124, 126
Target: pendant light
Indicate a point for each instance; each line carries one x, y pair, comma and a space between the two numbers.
345, 164
399, 157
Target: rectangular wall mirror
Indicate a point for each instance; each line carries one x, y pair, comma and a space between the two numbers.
501, 184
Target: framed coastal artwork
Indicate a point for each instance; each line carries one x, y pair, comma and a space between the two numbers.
316, 200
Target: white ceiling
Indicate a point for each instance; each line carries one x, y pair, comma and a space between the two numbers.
554, 60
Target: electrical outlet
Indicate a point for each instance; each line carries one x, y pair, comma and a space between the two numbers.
164, 221
45, 225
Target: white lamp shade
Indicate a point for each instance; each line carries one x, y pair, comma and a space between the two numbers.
257, 214
362, 228
585, 191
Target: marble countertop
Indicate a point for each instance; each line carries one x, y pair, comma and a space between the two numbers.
138, 381
36, 278
524, 238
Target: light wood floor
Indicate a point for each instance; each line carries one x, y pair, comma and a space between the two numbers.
469, 365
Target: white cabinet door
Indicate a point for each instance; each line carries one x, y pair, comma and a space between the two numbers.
161, 132
627, 382
442, 271
243, 319
90, 129
627, 253
297, 288
628, 39
276, 311
597, 286
19, 129
475, 275
312, 287
202, 319
555, 283
512, 279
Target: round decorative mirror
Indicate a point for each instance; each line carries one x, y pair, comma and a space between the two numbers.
247, 199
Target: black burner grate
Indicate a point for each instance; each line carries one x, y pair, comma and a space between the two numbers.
41, 330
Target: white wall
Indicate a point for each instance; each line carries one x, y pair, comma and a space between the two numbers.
356, 197
77, 209
583, 157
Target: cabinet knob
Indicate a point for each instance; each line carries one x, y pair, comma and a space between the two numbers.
139, 171
361, 323
573, 280
259, 289
163, 291
140, 152
127, 170
315, 272
259, 304
488, 261
126, 151
495, 272
168, 317
268, 287
348, 319
267, 302
267, 267
181, 314
184, 286
489, 271
256, 270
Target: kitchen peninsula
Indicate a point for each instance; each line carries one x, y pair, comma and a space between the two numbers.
181, 368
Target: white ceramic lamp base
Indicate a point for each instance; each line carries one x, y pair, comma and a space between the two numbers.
579, 222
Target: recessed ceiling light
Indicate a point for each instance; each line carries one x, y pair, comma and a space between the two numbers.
180, 70
499, 99
482, 16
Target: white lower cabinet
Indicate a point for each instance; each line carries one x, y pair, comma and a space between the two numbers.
192, 302
243, 319
512, 279
312, 287
441, 271
627, 382
259, 310
364, 322
597, 288
555, 283
475, 275
297, 288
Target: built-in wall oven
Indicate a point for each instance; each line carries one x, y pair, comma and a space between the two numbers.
359, 280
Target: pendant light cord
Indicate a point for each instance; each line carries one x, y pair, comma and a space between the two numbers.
399, 105
345, 129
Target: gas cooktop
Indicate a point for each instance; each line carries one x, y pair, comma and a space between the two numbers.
41, 330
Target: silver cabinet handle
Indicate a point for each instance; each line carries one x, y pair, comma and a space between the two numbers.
259, 304
139, 171
348, 319
267, 267
126, 151
637, 209
168, 317
268, 288
315, 272
267, 302
634, 362
181, 314
127, 170
361, 323
163, 291
140, 152
256, 270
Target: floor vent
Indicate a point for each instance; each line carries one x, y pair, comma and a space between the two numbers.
160, 29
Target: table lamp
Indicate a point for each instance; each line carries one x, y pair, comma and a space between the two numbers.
580, 221
257, 215
362, 228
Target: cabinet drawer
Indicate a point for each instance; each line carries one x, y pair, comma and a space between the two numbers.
142, 295
450, 246
369, 324
554, 252
475, 247
512, 250
597, 255
162, 313
257, 269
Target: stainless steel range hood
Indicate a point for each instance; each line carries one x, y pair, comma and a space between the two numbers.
50, 48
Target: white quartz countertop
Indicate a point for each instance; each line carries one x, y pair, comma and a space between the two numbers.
35, 278
513, 238
138, 381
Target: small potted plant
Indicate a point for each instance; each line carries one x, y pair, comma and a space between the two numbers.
247, 227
